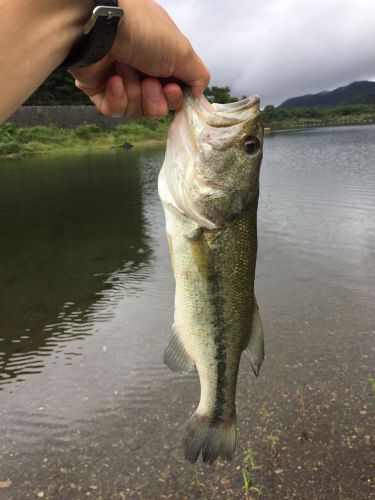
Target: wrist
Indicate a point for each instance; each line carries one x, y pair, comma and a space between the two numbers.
98, 35
49, 29
73, 16
128, 29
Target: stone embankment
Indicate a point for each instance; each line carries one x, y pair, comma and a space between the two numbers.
63, 116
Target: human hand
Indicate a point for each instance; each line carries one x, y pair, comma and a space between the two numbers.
148, 47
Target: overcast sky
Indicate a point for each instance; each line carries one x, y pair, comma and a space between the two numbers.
280, 48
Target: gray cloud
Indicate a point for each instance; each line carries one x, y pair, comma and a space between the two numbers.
280, 48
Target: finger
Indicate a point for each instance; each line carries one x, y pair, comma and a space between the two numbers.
111, 100
173, 95
95, 75
97, 99
153, 100
115, 99
192, 71
94, 81
133, 90
90, 91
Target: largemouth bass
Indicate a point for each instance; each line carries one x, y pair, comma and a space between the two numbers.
209, 186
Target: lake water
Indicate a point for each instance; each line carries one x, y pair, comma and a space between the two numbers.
87, 408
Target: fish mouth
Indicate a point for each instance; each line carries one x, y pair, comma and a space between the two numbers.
222, 115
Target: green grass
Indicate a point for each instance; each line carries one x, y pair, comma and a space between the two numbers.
372, 382
249, 483
15, 141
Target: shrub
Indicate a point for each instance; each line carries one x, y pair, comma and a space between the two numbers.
86, 131
40, 134
9, 148
7, 131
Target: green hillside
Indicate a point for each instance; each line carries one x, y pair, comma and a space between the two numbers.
319, 116
354, 93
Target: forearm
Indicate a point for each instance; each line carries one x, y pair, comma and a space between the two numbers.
35, 37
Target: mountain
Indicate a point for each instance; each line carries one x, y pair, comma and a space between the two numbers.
354, 93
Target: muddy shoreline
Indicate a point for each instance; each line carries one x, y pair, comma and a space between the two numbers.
304, 426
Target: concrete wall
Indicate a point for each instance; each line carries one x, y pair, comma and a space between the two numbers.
63, 116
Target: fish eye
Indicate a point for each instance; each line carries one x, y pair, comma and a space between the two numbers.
251, 144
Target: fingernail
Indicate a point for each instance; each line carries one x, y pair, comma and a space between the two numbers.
174, 102
117, 88
153, 92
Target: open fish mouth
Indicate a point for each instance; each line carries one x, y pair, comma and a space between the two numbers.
223, 115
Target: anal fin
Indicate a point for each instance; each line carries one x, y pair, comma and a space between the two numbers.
175, 355
255, 348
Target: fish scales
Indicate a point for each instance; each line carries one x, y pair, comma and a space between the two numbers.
213, 252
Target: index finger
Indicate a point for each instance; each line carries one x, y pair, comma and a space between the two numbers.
192, 71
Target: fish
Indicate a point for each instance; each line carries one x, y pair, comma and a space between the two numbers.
209, 188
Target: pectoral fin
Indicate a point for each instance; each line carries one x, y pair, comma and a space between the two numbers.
255, 348
175, 355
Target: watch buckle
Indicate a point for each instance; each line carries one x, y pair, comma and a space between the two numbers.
102, 11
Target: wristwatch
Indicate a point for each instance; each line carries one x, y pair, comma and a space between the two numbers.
98, 35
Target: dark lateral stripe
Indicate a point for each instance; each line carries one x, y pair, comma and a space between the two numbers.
206, 259
217, 301
217, 304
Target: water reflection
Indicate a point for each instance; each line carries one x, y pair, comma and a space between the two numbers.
74, 238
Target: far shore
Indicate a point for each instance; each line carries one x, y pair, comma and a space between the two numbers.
22, 141
42, 140
300, 128
86, 148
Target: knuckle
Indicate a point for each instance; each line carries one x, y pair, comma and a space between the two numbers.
206, 77
79, 84
167, 67
186, 47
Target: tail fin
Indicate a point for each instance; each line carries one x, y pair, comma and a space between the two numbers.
210, 438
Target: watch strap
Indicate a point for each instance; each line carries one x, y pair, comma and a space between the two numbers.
99, 35
109, 3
